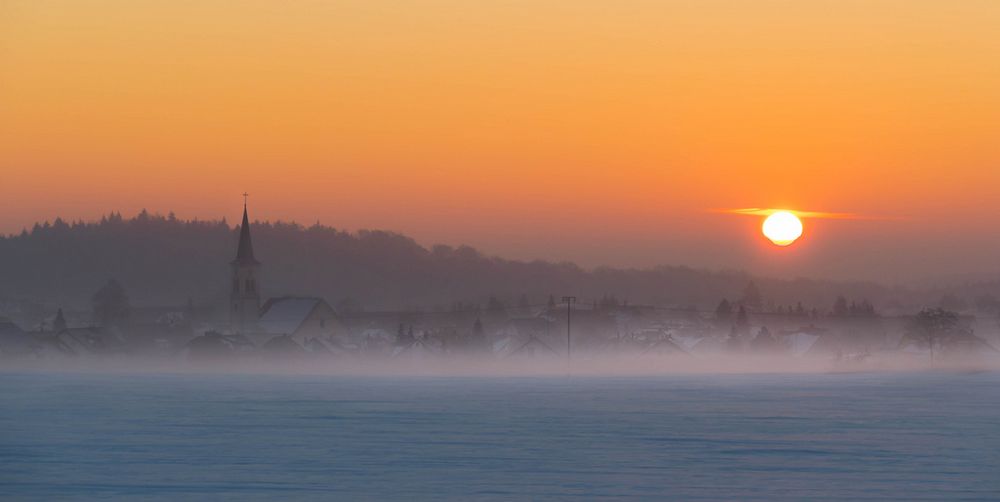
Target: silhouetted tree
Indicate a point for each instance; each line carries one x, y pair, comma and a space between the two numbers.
59, 324
404, 337
741, 317
495, 307
522, 302
724, 311
111, 305
477, 339
752, 298
933, 326
609, 302
734, 342
765, 341
840, 308
866, 309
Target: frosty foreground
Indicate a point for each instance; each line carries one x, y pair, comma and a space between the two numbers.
885, 436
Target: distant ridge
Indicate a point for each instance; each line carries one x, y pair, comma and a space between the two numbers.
165, 260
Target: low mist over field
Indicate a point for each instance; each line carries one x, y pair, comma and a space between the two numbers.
156, 292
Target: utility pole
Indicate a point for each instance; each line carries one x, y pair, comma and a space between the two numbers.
570, 300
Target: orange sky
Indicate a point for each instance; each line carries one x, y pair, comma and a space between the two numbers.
595, 131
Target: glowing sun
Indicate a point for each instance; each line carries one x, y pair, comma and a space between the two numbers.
782, 228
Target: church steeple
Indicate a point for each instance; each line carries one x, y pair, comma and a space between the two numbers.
245, 294
244, 252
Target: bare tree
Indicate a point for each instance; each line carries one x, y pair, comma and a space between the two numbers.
933, 326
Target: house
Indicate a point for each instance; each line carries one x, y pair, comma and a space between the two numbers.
800, 343
526, 327
522, 347
803, 341
301, 318
420, 347
214, 345
90, 340
665, 346
327, 347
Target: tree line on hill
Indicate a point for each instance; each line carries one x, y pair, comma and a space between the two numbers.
164, 260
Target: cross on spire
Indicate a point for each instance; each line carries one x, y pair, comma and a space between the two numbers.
245, 195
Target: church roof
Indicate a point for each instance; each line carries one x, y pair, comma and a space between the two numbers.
244, 253
283, 316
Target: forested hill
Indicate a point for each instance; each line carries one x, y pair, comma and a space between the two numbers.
164, 260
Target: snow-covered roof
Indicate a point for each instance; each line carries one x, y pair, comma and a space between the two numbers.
664, 346
419, 348
283, 316
687, 342
512, 345
800, 343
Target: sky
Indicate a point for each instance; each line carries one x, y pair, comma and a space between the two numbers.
605, 133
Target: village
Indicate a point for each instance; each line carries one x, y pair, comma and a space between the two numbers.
293, 327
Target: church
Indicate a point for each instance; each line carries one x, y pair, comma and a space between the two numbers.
303, 319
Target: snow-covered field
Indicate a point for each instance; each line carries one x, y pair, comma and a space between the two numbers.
902, 436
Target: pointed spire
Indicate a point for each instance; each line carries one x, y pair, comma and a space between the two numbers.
244, 253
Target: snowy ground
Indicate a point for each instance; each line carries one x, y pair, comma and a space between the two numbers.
903, 436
